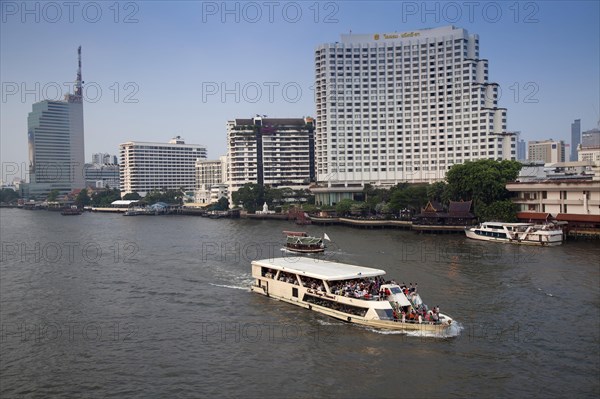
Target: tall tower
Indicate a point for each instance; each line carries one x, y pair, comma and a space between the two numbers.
56, 143
575, 138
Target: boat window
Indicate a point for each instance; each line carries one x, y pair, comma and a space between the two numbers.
313, 283
287, 278
396, 290
295, 292
385, 314
349, 309
268, 272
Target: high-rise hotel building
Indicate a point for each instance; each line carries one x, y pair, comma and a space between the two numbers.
270, 151
403, 107
147, 166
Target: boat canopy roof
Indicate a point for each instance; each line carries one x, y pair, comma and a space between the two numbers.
318, 268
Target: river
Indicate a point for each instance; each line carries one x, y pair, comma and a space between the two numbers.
101, 305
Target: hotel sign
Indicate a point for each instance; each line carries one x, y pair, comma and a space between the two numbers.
377, 36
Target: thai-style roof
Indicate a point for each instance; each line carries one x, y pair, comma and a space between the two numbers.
318, 268
460, 208
573, 217
533, 215
432, 207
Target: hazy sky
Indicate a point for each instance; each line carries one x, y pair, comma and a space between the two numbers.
157, 69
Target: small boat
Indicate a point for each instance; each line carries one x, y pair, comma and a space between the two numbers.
301, 242
547, 234
351, 293
72, 211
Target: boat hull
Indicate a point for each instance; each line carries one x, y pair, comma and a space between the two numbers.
373, 323
304, 251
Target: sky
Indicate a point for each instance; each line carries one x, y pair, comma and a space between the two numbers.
156, 69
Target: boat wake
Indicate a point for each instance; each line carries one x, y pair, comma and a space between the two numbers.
450, 332
236, 287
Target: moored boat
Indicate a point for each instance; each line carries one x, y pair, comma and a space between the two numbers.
72, 211
547, 234
351, 293
301, 242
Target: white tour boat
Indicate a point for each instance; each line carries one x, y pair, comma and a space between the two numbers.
517, 233
351, 293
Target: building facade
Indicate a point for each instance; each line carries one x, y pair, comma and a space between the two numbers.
56, 144
575, 138
403, 107
547, 151
590, 138
211, 180
100, 175
147, 166
562, 188
521, 150
104, 158
270, 151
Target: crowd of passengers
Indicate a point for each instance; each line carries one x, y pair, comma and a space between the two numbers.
408, 314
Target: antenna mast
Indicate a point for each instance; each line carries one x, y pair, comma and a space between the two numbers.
79, 82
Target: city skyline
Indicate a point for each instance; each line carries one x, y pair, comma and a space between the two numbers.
260, 61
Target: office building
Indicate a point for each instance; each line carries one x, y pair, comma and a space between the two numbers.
590, 138
56, 144
547, 151
148, 166
403, 107
521, 150
575, 138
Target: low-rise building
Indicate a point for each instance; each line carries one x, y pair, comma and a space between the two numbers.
566, 188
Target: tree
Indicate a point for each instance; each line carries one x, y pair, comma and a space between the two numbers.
343, 207
8, 195
82, 198
501, 211
483, 182
437, 192
53, 195
222, 204
132, 196
106, 197
250, 195
412, 197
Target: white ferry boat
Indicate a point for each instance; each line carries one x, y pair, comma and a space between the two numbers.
355, 294
517, 233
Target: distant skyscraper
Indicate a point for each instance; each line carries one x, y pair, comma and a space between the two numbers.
521, 150
56, 143
575, 138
